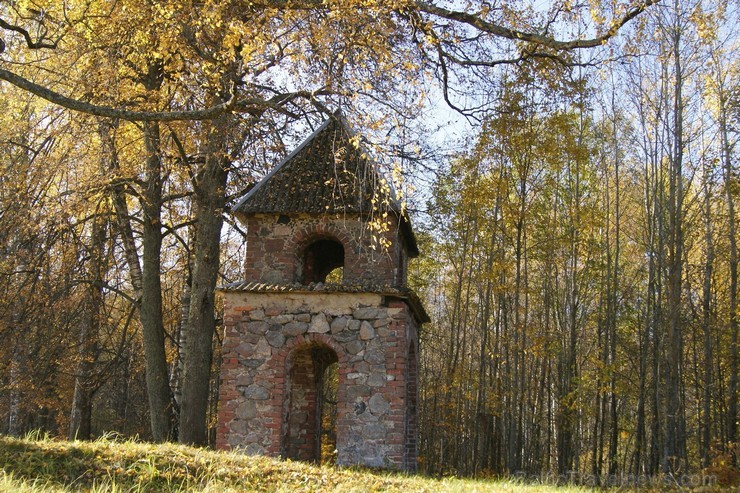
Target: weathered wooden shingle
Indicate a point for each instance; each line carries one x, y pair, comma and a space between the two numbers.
327, 173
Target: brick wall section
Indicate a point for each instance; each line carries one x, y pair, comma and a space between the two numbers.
268, 334
276, 243
412, 400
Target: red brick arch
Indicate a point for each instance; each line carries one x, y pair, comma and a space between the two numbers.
301, 441
320, 231
304, 237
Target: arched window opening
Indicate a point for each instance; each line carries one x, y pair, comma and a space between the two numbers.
312, 404
321, 258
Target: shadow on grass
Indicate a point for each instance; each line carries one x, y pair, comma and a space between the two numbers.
43, 461
83, 465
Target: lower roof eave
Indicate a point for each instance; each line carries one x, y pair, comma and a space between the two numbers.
406, 294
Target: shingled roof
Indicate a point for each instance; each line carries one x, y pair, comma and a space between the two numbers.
329, 173
402, 293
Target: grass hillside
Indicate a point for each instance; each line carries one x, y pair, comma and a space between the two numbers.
116, 466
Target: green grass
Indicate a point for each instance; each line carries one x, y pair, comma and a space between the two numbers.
106, 465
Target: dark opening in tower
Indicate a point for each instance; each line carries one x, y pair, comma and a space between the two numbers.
310, 433
323, 261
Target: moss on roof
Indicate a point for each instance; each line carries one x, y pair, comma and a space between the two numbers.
328, 173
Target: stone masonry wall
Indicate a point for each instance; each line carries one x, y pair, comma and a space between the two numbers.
263, 330
275, 246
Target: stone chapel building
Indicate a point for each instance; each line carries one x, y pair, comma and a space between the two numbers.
320, 348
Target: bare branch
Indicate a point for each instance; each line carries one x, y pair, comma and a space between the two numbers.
34, 45
513, 34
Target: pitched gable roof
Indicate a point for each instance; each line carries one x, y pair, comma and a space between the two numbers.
327, 173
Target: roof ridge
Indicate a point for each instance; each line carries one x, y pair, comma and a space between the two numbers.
285, 160
329, 172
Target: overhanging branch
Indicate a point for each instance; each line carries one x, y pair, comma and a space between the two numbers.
109, 112
276, 103
483, 25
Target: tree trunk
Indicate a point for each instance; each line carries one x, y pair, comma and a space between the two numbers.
157, 376
146, 280
80, 426
706, 423
209, 199
674, 440
729, 181
15, 411
613, 305
182, 337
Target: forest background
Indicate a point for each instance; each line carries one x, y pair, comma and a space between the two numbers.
579, 241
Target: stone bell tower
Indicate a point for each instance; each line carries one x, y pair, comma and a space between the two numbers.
320, 348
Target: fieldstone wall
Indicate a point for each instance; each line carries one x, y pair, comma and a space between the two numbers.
371, 337
275, 245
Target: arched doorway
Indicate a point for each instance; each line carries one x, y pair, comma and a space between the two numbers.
322, 258
310, 433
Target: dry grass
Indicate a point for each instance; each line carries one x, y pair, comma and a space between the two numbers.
108, 465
